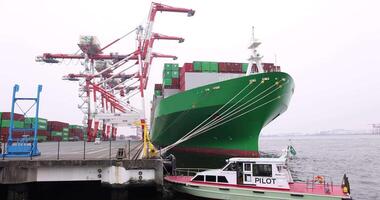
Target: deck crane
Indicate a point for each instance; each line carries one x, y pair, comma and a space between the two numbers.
97, 85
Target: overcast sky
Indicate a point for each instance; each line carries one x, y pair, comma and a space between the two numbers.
330, 48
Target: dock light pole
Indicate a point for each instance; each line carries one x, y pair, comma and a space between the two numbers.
58, 149
84, 149
109, 138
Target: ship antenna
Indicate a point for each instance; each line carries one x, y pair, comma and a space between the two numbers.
255, 56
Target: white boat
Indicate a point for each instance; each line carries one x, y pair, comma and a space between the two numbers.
257, 178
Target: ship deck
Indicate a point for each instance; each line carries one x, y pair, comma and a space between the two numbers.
297, 188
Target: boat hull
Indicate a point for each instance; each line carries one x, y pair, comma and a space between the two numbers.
226, 191
233, 112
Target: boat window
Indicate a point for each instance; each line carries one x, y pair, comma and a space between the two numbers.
230, 167
199, 178
247, 166
262, 170
222, 179
210, 178
247, 178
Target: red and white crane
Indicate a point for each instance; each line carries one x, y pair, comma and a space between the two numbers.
104, 81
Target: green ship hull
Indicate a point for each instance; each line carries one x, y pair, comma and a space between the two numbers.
237, 108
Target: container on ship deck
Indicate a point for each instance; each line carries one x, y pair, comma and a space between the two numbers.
223, 67
158, 86
214, 67
167, 67
187, 67
236, 67
197, 66
167, 82
267, 67
175, 74
244, 67
205, 66
175, 81
175, 67
167, 74
158, 93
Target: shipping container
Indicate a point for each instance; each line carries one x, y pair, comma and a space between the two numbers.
16, 124
167, 74
175, 74
175, 67
30, 120
56, 133
167, 66
197, 66
214, 67
158, 86
222, 67
188, 67
158, 93
245, 67
167, 81
16, 116
205, 66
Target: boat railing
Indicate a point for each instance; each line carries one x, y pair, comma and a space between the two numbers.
188, 171
326, 181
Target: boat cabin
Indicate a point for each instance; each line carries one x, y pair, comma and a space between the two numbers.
259, 172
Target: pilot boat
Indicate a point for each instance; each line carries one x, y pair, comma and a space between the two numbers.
257, 178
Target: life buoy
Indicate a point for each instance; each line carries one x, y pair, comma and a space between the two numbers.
319, 179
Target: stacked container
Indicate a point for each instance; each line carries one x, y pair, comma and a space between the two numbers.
76, 131
170, 76
158, 90
57, 130
65, 134
18, 122
42, 134
205, 66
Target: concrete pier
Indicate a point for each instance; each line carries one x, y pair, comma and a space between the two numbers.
117, 176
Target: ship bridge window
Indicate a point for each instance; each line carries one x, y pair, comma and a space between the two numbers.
210, 178
230, 167
222, 179
262, 170
199, 178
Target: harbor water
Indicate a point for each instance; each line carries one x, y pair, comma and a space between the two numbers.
332, 156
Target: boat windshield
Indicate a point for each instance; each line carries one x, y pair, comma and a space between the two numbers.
230, 167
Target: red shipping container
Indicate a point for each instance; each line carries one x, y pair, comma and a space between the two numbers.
223, 67
16, 116
157, 86
188, 67
175, 81
238, 67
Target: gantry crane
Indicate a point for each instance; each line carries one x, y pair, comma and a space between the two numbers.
103, 83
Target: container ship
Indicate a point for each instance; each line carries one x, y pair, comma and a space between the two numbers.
216, 109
